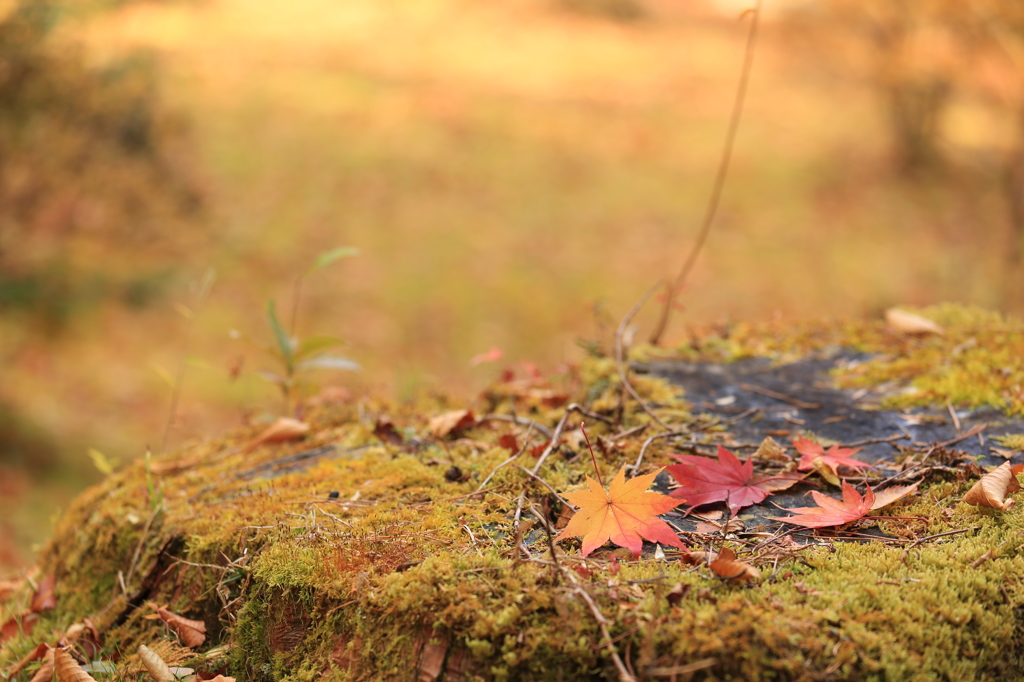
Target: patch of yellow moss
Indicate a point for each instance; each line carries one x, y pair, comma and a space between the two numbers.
977, 361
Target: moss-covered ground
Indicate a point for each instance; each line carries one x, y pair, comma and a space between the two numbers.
368, 551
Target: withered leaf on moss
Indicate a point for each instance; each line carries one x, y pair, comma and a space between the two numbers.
728, 567
191, 632
67, 668
283, 429
451, 423
992, 488
155, 666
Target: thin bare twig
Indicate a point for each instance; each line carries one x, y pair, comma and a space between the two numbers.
522, 421
548, 486
716, 190
938, 535
569, 409
780, 396
526, 440
620, 353
647, 443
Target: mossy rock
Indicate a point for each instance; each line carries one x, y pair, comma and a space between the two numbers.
365, 552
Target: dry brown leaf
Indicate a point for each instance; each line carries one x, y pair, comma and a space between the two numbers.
770, 451
155, 665
191, 632
44, 599
221, 678
67, 668
909, 323
893, 493
1005, 454
992, 488
44, 650
733, 525
695, 558
285, 428
45, 672
451, 422
727, 567
431, 660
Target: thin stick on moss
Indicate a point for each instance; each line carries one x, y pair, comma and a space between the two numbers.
990, 554
620, 355
602, 624
647, 443
716, 190
526, 440
522, 421
548, 486
573, 407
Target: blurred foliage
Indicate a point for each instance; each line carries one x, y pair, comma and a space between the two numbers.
927, 59
95, 190
89, 164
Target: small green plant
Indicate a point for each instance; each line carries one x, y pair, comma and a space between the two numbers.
294, 356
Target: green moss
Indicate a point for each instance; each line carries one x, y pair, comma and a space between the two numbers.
401, 562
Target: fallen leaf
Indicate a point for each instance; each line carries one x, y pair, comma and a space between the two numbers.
727, 567
835, 457
626, 514
892, 493
23, 624
909, 323
451, 422
831, 512
992, 488
733, 525
44, 599
703, 481
771, 451
67, 668
676, 594
508, 441
285, 428
155, 665
698, 557
221, 678
191, 632
45, 672
41, 651
387, 432
493, 355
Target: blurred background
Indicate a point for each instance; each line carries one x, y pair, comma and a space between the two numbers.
514, 174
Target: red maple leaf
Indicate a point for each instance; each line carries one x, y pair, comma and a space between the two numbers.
703, 480
626, 514
835, 457
831, 512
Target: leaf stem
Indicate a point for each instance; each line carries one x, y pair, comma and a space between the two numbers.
593, 459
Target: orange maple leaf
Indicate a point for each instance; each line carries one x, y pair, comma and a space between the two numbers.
831, 512
833, 459
626, 514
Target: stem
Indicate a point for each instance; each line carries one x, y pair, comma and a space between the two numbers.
716, 191
592, 457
